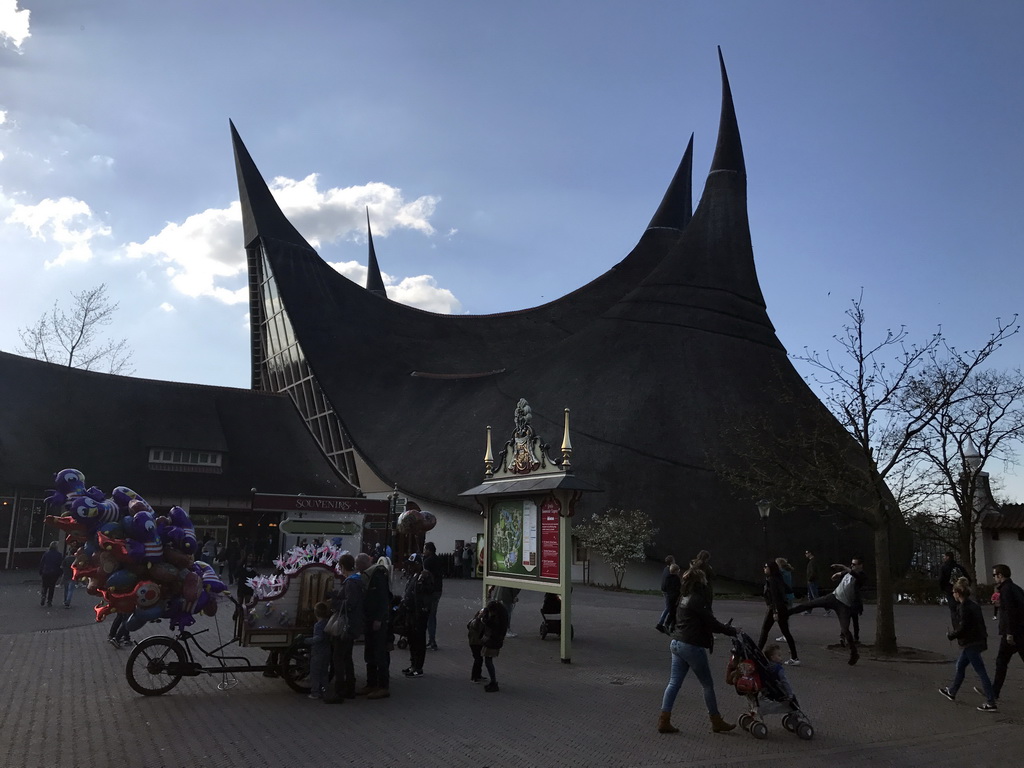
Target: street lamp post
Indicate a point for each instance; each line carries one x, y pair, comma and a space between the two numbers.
764, 508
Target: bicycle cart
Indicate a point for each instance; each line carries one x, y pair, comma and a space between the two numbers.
272, 623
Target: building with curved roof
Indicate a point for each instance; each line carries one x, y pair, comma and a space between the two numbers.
654, 358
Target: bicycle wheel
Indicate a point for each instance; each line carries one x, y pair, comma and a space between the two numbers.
295, 668
147, 665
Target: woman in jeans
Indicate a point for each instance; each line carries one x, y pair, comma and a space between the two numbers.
692, 638
972, 636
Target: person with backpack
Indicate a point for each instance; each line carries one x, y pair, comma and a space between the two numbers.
376, 612
949, 574
416, 602
348, 602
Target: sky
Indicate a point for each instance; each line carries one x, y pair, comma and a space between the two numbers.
508, 154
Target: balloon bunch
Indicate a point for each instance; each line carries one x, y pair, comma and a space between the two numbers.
416, 520
139, 562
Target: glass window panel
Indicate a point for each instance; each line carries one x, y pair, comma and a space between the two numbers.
6, 518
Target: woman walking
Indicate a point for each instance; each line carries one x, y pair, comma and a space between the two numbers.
778, 610
692, 639
972, 637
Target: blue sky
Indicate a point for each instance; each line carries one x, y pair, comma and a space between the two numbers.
509, 153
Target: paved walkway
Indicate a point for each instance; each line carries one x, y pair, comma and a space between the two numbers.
66, 701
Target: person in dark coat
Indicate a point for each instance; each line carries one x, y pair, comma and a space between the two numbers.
949, 574
432, 563
1011, 623
692, 638
778, 609
671, 587
347, 601
419, 590
49, 570
969, 631
670, 606
376, 616
495, 625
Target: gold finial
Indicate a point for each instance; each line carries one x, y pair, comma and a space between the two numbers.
566, 445
488, 456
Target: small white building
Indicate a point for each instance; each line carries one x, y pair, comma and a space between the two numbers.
1001, 540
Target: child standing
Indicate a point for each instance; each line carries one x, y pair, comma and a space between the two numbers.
319, 651
475, 628
495, 624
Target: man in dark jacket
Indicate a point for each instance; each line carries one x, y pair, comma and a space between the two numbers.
376, 611
1011, 623
49, 570
433, 565
814, 577
347, 601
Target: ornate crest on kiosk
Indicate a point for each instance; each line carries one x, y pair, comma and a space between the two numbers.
525, 452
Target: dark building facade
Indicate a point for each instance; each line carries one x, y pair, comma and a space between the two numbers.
653, 358
203, 447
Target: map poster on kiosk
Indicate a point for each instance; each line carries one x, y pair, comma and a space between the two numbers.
524, 538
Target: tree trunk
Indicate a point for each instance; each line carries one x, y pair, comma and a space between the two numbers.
885, 619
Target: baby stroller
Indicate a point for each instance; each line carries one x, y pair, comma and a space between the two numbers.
551, 617
750, 672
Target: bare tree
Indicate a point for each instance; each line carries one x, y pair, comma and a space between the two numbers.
874, 395
74, 338
984, 422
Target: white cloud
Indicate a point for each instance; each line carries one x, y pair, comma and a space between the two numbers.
421, 292
13, 24
200, 252
203, 255
102, 161
167, 307
66, 221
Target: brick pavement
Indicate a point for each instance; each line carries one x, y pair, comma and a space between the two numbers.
67, 701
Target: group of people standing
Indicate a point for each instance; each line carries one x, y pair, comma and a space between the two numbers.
365, 607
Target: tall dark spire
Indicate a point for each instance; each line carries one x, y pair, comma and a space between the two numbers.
729, 151
374, 281
261, 215
677, 205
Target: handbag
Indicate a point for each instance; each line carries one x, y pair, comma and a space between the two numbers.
337, 625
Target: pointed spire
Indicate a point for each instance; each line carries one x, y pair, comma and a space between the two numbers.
261, 215
677, 205
374, 281
729, 150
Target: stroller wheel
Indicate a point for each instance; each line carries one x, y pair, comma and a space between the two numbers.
402, 643
758, 730
789, 722
805, 731
745, 721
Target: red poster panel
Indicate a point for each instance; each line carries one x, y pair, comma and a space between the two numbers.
549, 524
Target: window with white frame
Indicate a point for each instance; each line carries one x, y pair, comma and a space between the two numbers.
185, 459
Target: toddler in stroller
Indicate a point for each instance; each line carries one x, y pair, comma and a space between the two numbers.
763, 681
